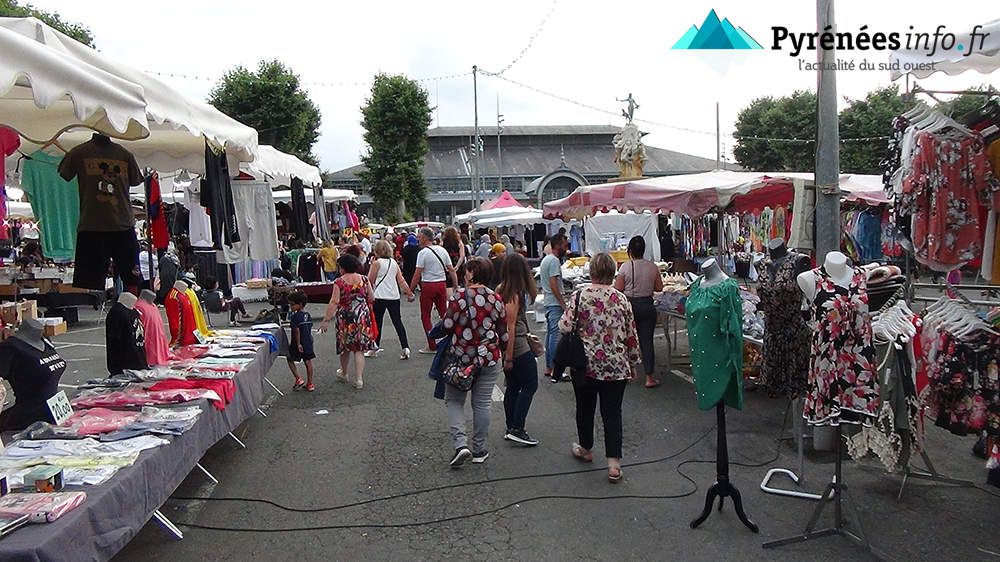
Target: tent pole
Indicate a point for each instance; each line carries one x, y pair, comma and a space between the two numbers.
827, 142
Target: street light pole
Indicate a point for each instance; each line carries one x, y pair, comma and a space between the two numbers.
827, 142
475, 140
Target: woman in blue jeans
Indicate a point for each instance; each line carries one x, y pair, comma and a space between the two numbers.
519, 367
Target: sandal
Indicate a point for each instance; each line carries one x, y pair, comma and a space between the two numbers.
299, 383
341, 377
310, 387
615, 475
582, 454
653, 383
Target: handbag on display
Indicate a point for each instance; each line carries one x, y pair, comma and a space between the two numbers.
570, 352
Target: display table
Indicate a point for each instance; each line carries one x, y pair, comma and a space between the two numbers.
250, 295
315, 291
115, 511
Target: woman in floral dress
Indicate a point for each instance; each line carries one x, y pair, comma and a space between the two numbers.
603, 318
351, 302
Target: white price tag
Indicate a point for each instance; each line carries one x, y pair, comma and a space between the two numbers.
60, 407
197, 335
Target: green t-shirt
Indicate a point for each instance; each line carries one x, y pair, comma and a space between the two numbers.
55, 203
715, 331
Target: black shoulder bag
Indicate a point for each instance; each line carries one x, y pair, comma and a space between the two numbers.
570, 352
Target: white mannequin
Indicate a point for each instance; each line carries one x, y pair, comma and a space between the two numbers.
836, 267
127, 299
712, 273
147, 295
180, 285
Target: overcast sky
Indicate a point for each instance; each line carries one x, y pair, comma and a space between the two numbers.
588, 51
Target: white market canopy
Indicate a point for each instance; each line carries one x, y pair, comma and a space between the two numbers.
44, 91
178, 126
418, 224
279, 168
329, 195
525, 217
495, 213
984, 58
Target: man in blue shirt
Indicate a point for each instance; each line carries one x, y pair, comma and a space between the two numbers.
550, 273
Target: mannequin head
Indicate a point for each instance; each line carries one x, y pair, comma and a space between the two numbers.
180, 285
30, 332
712, 272
776, 248
148, 296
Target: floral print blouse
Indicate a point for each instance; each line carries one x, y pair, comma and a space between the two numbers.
476, 317
607, 329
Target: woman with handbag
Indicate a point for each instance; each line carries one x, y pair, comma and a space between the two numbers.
475, 317
388, 283
601, 317
519, 366
639, 278
351, 302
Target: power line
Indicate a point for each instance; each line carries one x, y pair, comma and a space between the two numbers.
531, 40
312, 83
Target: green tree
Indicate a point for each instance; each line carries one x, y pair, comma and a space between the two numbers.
964, 104
866, 119
14, 9
395, 118
789, 117
272, 101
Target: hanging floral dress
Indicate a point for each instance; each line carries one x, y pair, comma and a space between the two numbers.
787, 337
842, 386
356, 329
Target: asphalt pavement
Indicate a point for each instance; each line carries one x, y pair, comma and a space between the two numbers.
368, 479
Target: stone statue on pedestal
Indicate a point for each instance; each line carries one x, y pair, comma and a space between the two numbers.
630, 153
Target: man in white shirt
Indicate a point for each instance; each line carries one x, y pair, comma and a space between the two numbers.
433, 268
366, 247
148, 271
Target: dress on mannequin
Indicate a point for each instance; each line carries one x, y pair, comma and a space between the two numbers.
787, 337
715, 328
157, 352
842, 385
33, 368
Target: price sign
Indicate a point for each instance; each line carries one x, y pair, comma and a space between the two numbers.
198, 336
60, 407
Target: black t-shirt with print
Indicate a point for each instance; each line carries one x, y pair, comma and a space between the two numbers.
126, 340
104, 172
34, 376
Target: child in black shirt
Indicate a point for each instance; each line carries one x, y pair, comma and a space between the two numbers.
301, 347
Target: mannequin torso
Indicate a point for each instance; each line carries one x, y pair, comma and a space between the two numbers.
30, 332
712, 273
836, 267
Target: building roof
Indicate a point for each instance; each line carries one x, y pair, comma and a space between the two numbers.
525, 130
535, 161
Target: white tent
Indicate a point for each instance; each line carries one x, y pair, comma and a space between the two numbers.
476, 216
178, 126
44, 91
525, 217
329, 195
980, 53
280, 168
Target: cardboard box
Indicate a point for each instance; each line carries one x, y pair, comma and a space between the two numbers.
54, 330
8, 312
26, 310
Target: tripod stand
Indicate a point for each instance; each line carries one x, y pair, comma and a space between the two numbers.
723, 487
836, 491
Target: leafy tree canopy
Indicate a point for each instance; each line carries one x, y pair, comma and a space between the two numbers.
15, 9
395, 118
271, 100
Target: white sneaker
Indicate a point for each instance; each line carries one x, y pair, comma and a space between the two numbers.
373, 352
405, 355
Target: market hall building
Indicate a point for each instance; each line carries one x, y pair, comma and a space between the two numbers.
535, 164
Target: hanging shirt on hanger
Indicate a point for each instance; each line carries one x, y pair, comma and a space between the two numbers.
56, 204
104, 171
217, 197
9, 142
157, 217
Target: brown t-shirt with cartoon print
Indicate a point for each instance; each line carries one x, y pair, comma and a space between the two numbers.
104, 172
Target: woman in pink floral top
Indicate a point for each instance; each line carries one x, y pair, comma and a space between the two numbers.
607, 329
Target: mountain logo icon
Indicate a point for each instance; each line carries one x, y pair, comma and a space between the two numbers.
715, 34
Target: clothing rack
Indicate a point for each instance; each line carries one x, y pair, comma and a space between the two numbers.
918, 89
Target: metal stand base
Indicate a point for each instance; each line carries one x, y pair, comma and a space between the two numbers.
207, 473
276, 389
723, 488
237, 439
765, 484
836, 492
930, 474
168, 525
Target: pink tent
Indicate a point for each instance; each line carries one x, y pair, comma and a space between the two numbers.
505, 200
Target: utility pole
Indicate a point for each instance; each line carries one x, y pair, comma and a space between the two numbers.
475, 141
499, 153
718, 139
827, 142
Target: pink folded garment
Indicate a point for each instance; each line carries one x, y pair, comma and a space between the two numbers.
41, 508
99, 420
140, 397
